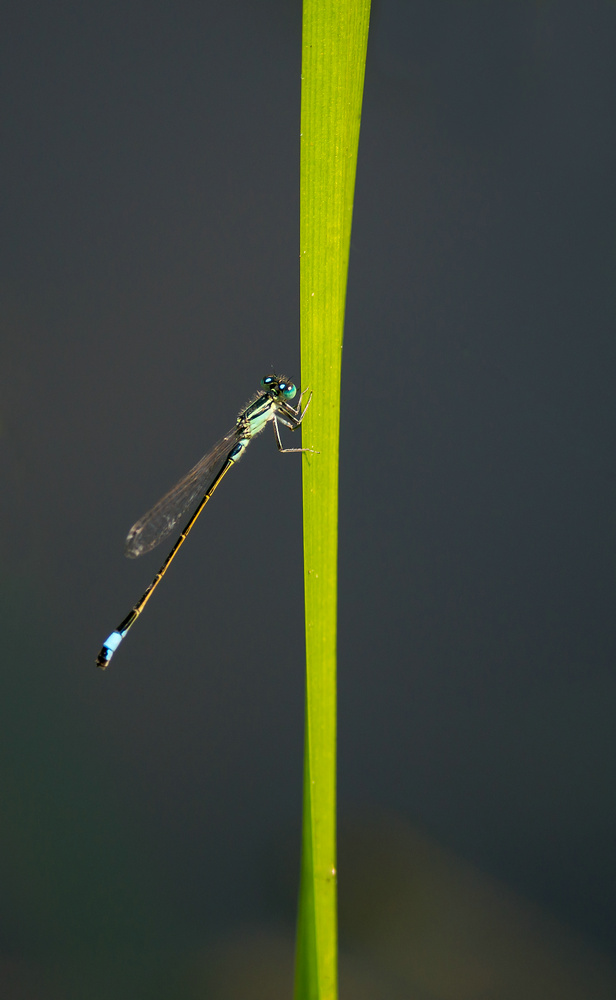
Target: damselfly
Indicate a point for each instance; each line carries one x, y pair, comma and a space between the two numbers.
269, 405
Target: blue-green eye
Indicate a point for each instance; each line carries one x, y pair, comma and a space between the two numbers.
288, 389
267, 380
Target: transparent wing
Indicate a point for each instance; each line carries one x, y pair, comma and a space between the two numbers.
160, 521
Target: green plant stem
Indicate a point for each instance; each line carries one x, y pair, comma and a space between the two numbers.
334, 41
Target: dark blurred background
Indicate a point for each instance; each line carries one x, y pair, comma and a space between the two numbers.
150, 816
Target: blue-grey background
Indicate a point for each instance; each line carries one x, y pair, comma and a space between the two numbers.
149, 277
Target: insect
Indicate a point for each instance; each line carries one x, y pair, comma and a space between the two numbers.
270, 405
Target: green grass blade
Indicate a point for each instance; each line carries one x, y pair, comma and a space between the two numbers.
335, 34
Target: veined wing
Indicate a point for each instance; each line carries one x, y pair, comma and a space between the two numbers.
160, 521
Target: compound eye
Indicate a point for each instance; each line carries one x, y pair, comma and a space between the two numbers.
288, 389
267, 380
